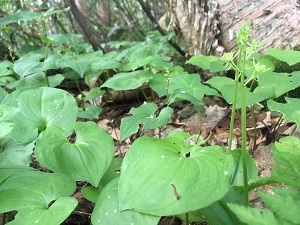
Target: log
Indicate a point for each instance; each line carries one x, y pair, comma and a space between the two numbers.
210, 26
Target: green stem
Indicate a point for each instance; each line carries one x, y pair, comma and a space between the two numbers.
172, 220
236, 84
243, 128
187, 221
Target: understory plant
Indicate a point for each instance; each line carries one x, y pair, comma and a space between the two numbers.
46, 149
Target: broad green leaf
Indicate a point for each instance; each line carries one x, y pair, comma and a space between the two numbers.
3, 94
94, 93
296, 116
157, 179
17, 153
90, 193
107, 210
5, 128
158, 84
291, 57
20, 16
106, 61
286, 154
202, 61
31, 192
6, 68
128, 81
189, 87
89, 112
287, 109
284, 202
278, 84
144, 115
79, 65
65, 38
112, 172
218, 212
53, 215
8, 112
226, 86
41, 108
38, 80
253, 216
237, 178
52, 62
28, 64
85, 160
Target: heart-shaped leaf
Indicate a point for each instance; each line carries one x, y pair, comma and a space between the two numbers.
107, 211
41, 108
79, 65
144, 115
31, 192
157, 179
85, 160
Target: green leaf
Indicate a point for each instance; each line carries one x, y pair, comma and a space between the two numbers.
17, 153
112, 172
107, 210
128, 81
20, 16
6, 68
89, 112
79, 65
226, 86
157, 179
90, 193
158, 84
284, 202
291, 57
41, 108
31, 192
144, 115
218, 212
85, 160
278, 84
94, 93
189, 87
202, 61
287, 156
28, 64
287, 109
237, 178
252, 216
105, 62
5, 128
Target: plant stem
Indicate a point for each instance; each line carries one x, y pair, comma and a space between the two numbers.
172, 220
243, 118
187, 221
236, 83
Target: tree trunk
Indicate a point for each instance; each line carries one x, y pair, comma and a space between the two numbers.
207, 24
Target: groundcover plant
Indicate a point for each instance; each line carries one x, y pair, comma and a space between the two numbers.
164, 176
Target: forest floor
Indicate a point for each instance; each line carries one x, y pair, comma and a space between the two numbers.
213, 126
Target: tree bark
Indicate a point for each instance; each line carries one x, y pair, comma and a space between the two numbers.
206, 23
90, 34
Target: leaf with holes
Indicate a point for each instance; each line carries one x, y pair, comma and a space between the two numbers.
41, 108
107, 210
32, 193
144, 115
157, 179
85, 160
287, 109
